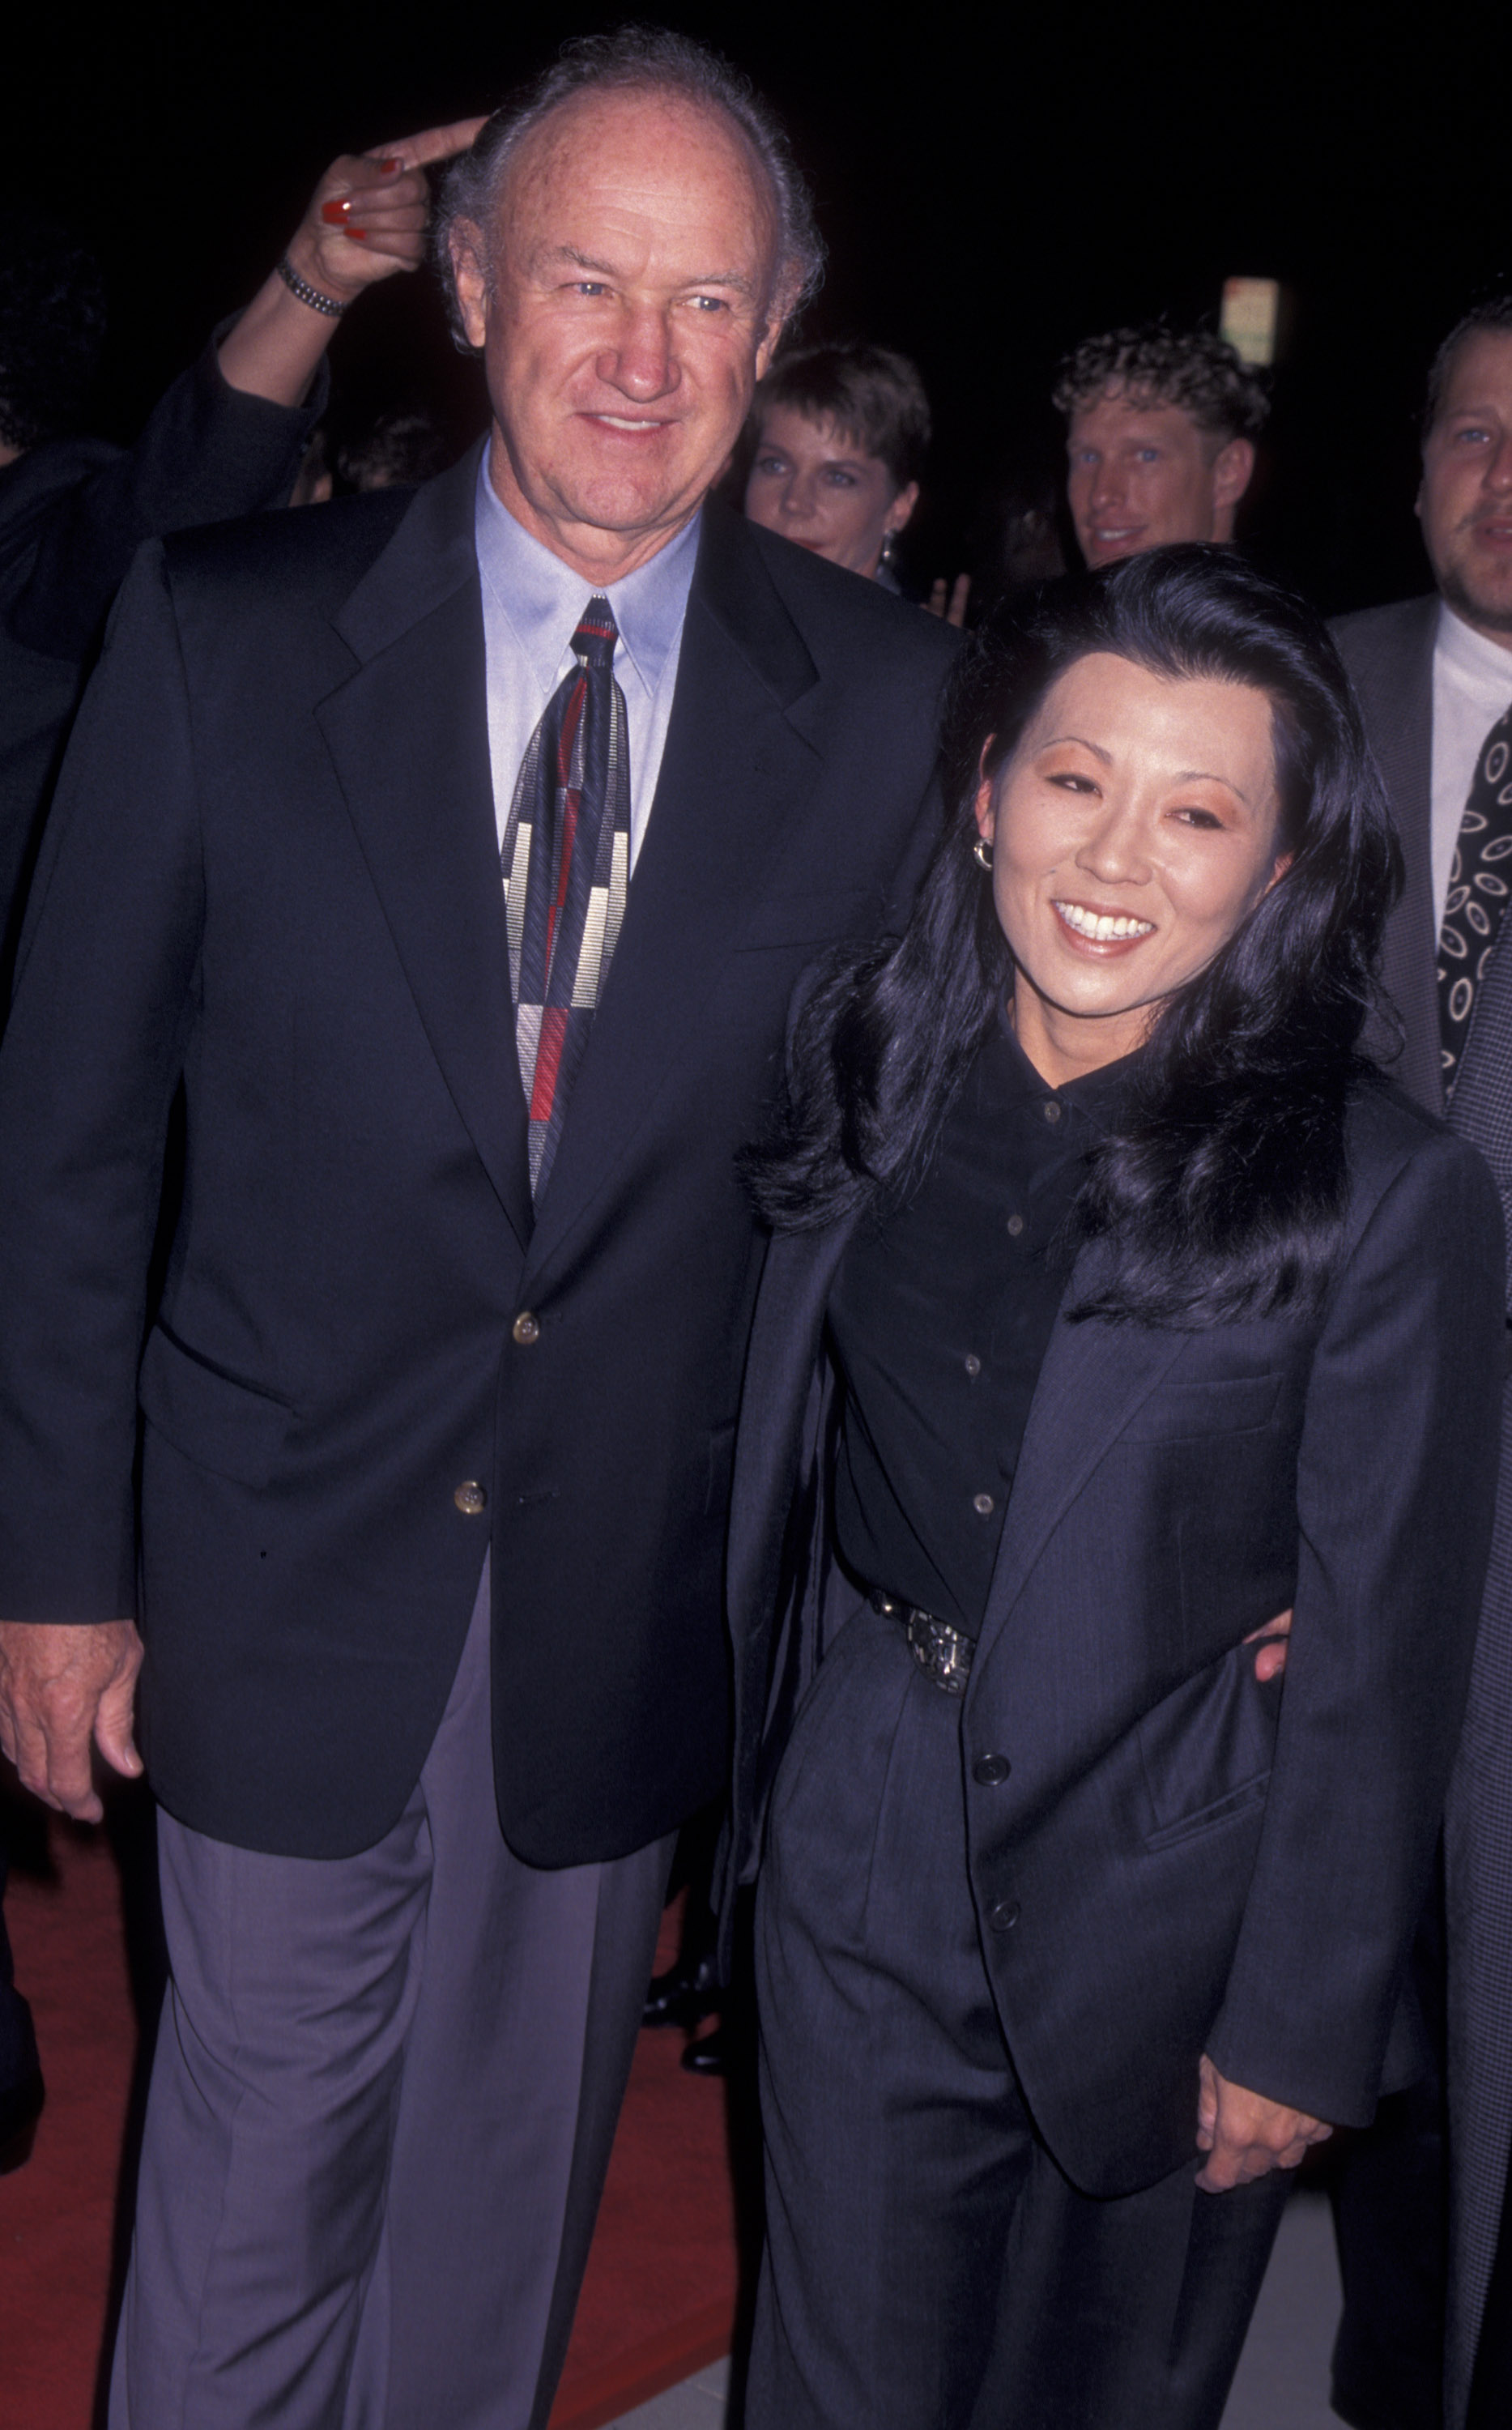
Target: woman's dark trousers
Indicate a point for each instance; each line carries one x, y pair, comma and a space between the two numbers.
928, 2267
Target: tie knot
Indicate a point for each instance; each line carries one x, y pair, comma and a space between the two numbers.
596, 634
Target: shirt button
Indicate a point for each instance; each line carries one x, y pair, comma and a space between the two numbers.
1015, 1226
471, 1498
982, 1505
974, 1364
1052, 1111
525, 1328
991, 1771
1002, 1915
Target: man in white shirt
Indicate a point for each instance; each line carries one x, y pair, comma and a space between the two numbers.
1434, 677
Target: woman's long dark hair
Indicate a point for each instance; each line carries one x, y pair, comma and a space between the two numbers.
1222, 1194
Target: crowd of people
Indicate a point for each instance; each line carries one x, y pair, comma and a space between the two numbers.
647, 1188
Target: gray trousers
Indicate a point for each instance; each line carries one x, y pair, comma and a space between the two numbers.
382, 2105
927, 2265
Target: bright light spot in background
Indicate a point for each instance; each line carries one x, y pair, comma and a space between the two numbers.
1248, 318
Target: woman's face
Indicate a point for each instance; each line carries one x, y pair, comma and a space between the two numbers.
815, 486
1131, 830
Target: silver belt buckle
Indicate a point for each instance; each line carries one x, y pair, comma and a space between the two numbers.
942, 1653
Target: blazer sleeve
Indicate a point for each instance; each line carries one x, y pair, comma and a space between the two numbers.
207, 452
1395, 1492
89, 1070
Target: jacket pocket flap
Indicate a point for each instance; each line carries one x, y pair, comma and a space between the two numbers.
231, 1427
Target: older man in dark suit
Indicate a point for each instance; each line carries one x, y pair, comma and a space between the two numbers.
1434, 680
448, 863
225, 440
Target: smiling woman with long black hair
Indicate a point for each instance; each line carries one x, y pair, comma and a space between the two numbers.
1115, 1304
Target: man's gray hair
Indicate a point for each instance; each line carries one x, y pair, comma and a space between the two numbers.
646, 58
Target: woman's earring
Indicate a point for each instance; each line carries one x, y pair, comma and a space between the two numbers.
982, 852
889, 538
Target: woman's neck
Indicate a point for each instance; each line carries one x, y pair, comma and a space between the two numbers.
1065, 1046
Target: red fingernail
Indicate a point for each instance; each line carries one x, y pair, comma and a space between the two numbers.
389, 166
358, 235
335, 211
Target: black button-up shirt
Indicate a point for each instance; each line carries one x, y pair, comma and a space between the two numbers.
939, 1319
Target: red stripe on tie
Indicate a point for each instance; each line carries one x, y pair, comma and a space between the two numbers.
564, 871
548, 1060
571, 715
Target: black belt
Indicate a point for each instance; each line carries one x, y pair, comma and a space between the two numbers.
942, 1653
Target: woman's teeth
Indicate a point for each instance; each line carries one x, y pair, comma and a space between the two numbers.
1100, 926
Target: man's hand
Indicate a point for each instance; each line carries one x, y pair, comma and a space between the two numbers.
1244, 2135
1272, 1639
61, 1690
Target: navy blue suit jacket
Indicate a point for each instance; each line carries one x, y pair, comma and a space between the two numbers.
270, 891
1179, 1859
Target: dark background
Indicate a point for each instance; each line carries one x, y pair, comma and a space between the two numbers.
992, 186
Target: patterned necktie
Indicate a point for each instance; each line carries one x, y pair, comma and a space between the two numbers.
1477, 894
566, 862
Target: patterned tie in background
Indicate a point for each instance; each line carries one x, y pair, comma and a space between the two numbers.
565, 861
1477, 894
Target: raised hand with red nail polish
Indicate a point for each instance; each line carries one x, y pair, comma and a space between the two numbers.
365, 222
367, 216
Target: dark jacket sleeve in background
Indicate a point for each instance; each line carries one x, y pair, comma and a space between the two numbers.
71, 517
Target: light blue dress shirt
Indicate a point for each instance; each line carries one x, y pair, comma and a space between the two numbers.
532, 604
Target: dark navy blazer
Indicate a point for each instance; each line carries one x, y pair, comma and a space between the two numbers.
270, 889
1179, 1859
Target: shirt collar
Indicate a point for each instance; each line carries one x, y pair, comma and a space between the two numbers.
1481, 663
1100, 1095
543, 598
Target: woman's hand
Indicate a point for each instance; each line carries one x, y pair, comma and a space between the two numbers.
948, 599
1245, 2136
367, 216
366, 220
1272, 1639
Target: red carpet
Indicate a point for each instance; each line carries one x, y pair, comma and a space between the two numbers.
659, 2298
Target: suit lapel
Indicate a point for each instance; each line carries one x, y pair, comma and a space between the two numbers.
408, 737
1396, 692
1095, 1377
784, 1351
735, 775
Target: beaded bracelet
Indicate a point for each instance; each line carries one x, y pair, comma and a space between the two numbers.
306, 294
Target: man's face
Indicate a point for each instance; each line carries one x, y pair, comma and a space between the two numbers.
1465, 502
625, 302
1143, 474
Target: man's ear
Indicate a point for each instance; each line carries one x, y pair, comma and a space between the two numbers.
768, 343
779, 312
1233, 469
470, 279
